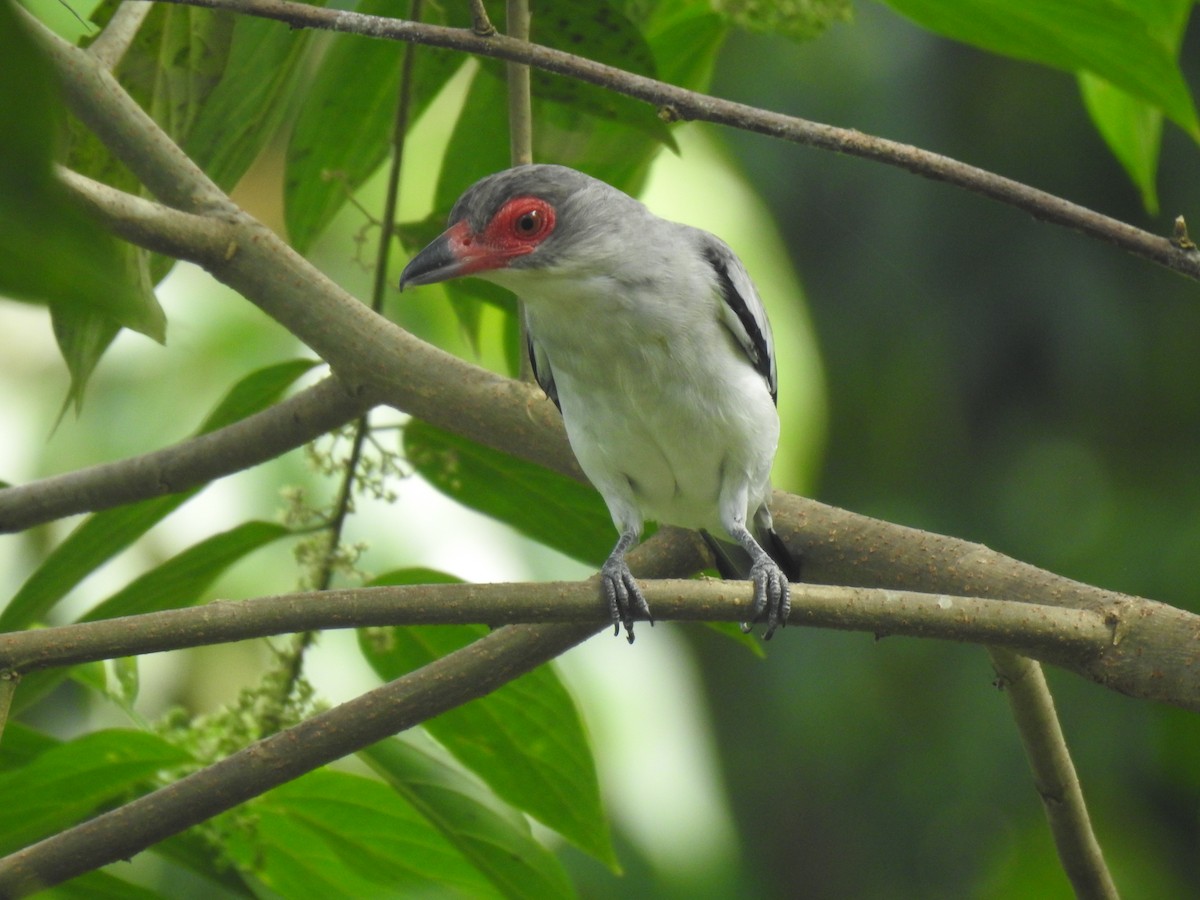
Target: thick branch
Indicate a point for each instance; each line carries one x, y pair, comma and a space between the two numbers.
1160, 642
683, 104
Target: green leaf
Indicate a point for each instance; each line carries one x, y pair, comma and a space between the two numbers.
93, 542
1130, 126
183, 579
800, 20
99, 886
259, 87
1118, 40
255, 392
603, 33
1132, 129
50, 251
101, 536
526, 739
354, 92
332, 835
550, 508
685, 38
71, 781
174, 62
492, 836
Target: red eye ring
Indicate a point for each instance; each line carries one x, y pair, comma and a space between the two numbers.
521, 225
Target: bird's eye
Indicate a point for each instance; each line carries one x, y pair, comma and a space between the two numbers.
529, 223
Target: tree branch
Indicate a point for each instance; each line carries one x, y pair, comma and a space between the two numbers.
683, 104
255, 439
472, 672
1054, 774
1106, 647
448, 682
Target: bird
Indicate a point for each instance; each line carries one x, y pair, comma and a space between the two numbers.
651, 339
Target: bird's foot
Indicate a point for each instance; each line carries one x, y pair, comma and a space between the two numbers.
772, 598
623, 595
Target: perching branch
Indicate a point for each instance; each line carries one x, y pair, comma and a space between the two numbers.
1118, 646
679, 103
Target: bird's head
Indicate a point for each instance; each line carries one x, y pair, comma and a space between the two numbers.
536, 217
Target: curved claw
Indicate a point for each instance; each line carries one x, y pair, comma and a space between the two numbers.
623, 595
772, 597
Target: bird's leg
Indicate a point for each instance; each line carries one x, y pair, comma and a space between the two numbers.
620, 589
772, 599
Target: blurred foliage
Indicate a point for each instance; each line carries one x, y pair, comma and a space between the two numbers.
988, 378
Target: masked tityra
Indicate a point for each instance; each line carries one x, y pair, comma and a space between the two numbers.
652, 341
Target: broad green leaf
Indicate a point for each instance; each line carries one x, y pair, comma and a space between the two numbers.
800, 20
99, 886
22, 745
101, 536
1132, 129
261, 84
255, 392
525, 739
50, 251
550, 508
492, 836
183, 579
685, 38
1131, 126
354, 92
175, 61
92, 543
68, 782
1117, 40
599, 30
82, 336
333, 835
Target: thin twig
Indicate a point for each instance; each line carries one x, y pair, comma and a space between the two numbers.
520, 112
1024, 684
120, 31
691, 105
520, 141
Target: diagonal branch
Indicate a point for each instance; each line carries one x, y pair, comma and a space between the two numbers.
256, 439
678, 103
461, 676
1054, 774
472, 672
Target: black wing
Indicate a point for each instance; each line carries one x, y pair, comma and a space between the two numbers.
541, 367
742, 310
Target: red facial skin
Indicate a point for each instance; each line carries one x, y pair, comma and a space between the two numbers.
516, 229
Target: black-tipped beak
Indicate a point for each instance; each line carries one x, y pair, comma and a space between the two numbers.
441, 260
